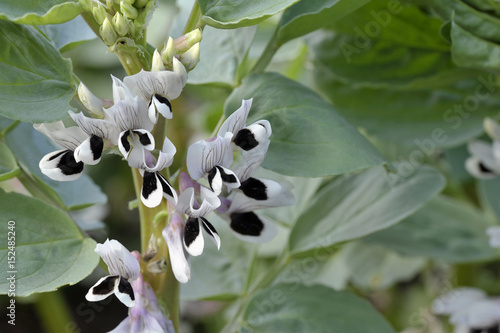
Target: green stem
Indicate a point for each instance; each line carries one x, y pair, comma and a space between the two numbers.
194, 18
39, 191
9, 128
48, 304
265, 58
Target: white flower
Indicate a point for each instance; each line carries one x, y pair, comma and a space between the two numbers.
61, 165
470, 310
123, 268
494, 235
173, 234
482, 163
158, 87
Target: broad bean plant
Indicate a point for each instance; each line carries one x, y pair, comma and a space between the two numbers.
250, 166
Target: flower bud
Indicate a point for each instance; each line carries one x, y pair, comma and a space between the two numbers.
90, 101
157, 63
121, 24
108, 33
157, 266
86, 5
140, 3
168, 52
152, 249
131, 2
99, 12
187, 41
128, 10
191, 57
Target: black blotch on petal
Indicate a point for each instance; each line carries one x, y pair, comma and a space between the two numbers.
164, 100
247, 224
245, 139
143, 138
148, 184
126, 288
167, 188
53, 157
68, 165
227, 178
254, 188
484, 168
211, 176
96, 146
125, 142
106, 286
191, 231
208, 226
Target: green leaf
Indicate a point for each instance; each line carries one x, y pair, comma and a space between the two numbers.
489, 194
401, 85
68, 35
8, 164
470, 51
445, 229
297, 308
309, 138
354, 206
29, 146
230, 14
307, 16
219, 275
223, 53
373, 266
39, 12
36, 80
50, 250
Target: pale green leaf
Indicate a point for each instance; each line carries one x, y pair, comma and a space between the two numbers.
8, 164
445, 229
309, 138
68, 35
36, 80
357, 205
294, 308
50, 250
229, 14
39, 12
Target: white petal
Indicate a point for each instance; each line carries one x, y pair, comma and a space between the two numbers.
193, 238
203, 155
173, 236
146, 84
478, 314
157, 63
130, 114
479, 169
180, 70
251, 227
209, 228
152, 190
169, 192
494, 235
253, 136
61, 165
125, 293
69, 138
119, 260
492, 128
120, 90
262, 193
90, 151
186, 200
161, 105
235, 122
220, 175
456, 300
484, 152
98, 127
102, 289
90, 101
165, 157
495, 147
251, 161
144, 138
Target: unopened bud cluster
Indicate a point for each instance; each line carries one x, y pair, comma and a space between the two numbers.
186, 48
120, 18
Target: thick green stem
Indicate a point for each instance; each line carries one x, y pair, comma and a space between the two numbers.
193, 19
48, 304
267, 55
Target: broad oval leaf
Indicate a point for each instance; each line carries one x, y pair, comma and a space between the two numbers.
29, 146
445, 229
399, 82
50, 250
357, 205
307, 16
296, 308
8, 164
68, 35
36, 80
230, 14
309, 138
39, 12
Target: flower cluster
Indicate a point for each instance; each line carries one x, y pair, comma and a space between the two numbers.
470, 310
484, 161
